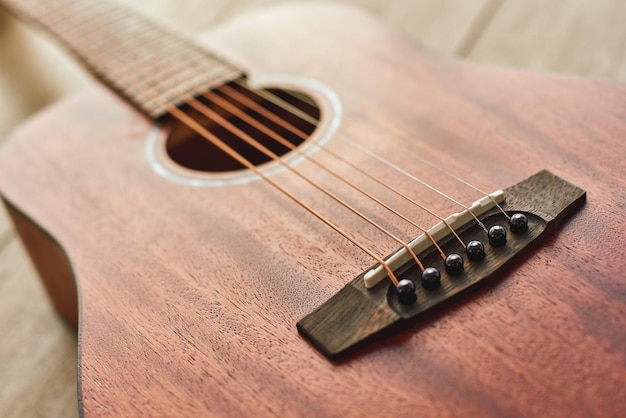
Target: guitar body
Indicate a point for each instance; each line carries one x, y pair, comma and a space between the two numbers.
189, 296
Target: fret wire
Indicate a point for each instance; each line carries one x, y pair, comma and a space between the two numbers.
174, 73
29, 5
180, 44
66, 26
215, 73
174, 70
103, 40
87, 27
136, 78
180, 82
73, 31
62, 17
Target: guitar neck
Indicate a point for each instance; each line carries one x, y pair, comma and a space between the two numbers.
150, 66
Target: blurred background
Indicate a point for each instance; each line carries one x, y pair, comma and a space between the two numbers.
38, 352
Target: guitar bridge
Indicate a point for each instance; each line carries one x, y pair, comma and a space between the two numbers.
369, 305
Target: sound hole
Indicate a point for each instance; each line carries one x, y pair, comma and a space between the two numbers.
191, 150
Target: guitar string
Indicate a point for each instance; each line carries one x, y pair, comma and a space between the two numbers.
246, 101
401, 170
303, 136
297, 112
234, 110
171, 108
424, 183
256, 144
203, 109
277, 100
248, 139
457, 178
213, 115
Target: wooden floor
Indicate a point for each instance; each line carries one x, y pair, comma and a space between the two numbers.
37, 350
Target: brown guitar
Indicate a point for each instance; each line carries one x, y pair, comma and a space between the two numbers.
306, 215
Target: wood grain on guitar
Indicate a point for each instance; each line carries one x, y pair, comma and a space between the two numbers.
189, 296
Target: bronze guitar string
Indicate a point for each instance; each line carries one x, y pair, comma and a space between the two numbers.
117, 39
121, 40
233, 94
256, 144
234, 110
186, 119
170, 107
190, 122
181, 116
250, 140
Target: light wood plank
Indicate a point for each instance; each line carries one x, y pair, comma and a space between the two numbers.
38, 352
570, 36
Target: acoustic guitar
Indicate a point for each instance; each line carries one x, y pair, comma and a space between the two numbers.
307, 215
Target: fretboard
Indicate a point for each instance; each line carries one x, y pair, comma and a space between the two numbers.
149, 65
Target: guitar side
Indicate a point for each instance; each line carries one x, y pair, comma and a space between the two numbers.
190, 295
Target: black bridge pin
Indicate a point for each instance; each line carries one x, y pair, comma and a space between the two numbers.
454, 264
406, 292
475, 250
497, 236
519, 223
431, 279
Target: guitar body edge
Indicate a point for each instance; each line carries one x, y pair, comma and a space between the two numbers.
51, 262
